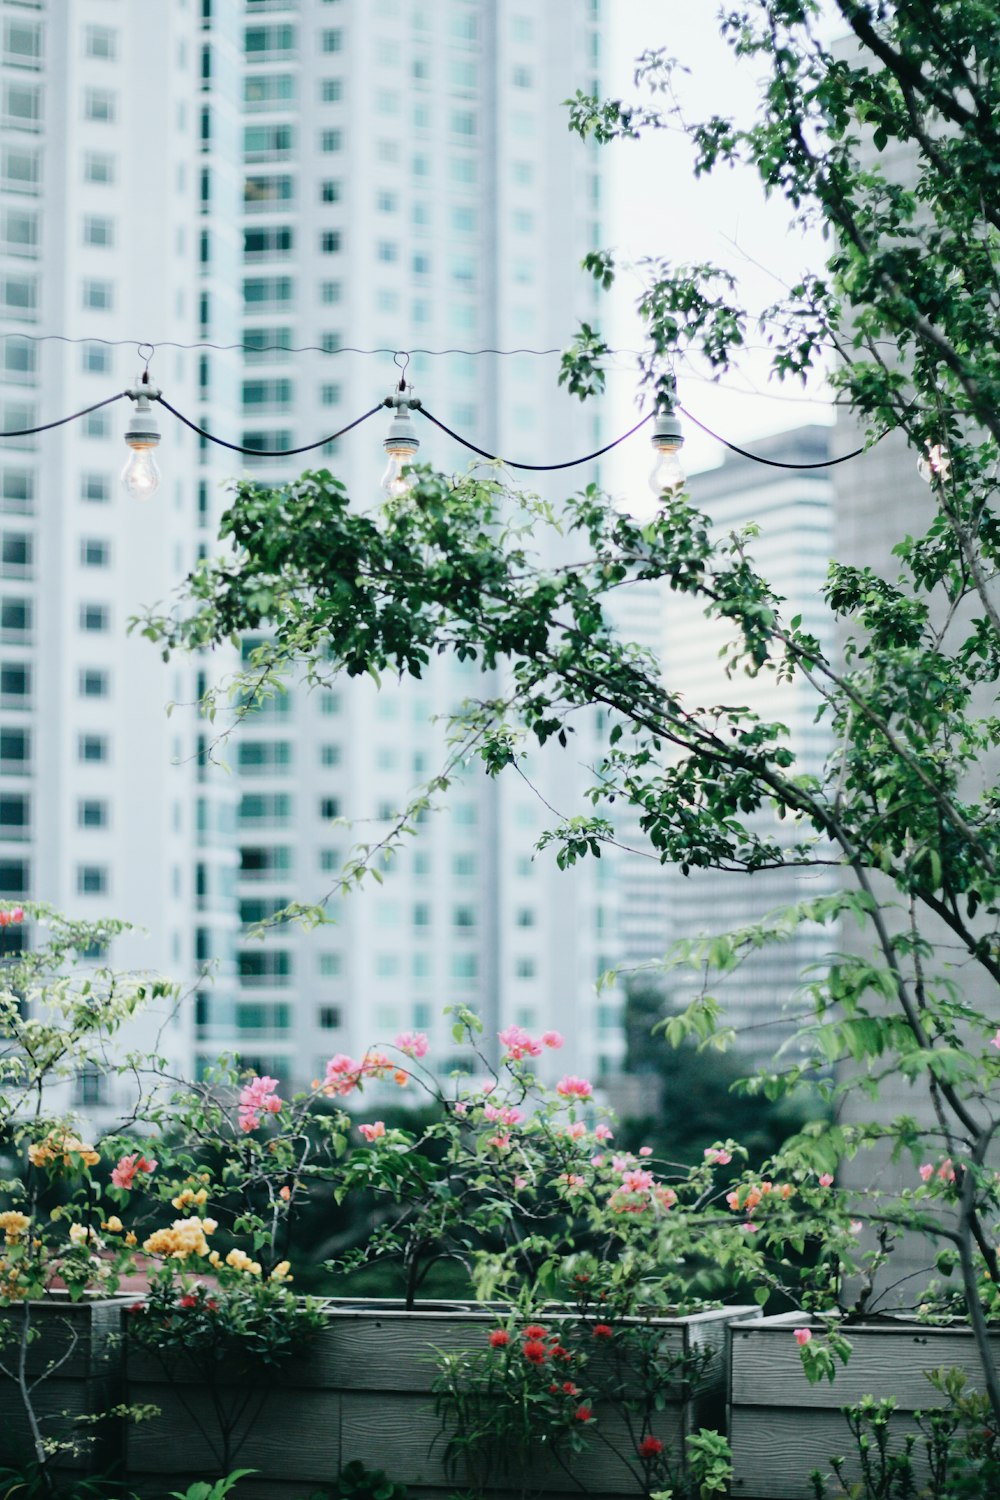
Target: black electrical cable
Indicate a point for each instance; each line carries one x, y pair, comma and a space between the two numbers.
774, 463
265, 452
61, 422
538, 468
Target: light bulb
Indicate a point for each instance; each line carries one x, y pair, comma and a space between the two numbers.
936, 467
141, 474
668, 475
396, 484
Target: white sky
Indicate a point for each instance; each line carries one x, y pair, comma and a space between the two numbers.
657, 207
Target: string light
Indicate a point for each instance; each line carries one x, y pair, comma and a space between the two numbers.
667, 477
141, 474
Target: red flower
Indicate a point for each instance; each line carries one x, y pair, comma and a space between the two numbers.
602, 1331
211, 1305
535, 1331
558, 1352
570, 1388
137, 1307
535, 1352
583, 1414
650, 1447
188, 1301
498, 1338
553, 1390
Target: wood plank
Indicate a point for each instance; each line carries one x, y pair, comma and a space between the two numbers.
89, 1328
286, 1434
774, 1451
767, 1369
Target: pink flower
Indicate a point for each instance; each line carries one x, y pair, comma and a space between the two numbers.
946, 1171
801, 1335
376, 1064
715, 1157
577, 1130
597, 1161
520, 1183
750, 1227
552, 1039
826, 1180
856, 1226
926, 1171
501, 1141
125, 1173
519, 1044
603, 1132
570, 1087
637, 1181
257, 1095
995, 1039
460, 1107
15, 915
666, 1197
343, 1074
645, 1150
622, 1163
372, 1132
574, 1181
413, 1043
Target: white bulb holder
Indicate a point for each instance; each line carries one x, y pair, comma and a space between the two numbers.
141, 474
667, 435
401, 445
667, 438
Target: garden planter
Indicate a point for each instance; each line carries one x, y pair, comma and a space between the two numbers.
362, 1390
781, 1427
80, 1343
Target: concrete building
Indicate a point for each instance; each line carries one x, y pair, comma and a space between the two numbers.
793, 511
394, 174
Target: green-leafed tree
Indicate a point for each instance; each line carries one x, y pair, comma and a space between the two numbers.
909, 298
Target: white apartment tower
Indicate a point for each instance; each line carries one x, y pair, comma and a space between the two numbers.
341, 174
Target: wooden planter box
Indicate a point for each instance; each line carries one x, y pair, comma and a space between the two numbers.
363, 1391
81, 1343
781, 1427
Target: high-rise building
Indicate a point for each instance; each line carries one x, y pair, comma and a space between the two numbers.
791, 547
395, 175
410, 184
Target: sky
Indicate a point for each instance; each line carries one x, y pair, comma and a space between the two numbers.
656, 207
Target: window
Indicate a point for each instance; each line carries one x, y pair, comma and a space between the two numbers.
526, 916
92, 812
260, 344
522, 222
523, 173
329, 807
421, 264
93, 682
263, 41
263, 192
521, 78
264, 863
92, 749
92, 880
16, 618
265, 807
261, 291
19, 296
331, 41
100, 42
464, 813
387, 151
421, 914
20, 169
269, 440
329, 1017
275, 239
270, 966
463, 219
95, 618
97, 424
387, 965
329, 241
99, 105
387, 251
463, 122
387, 301
331, 965
387, 102
464, 916
329, 192
14, 877
99, 167
15, 683
15, 816
22, 43
89, 1087
464, 966
95, 552
330, 859
521, 29
95, 359
15, 749
330, 395
331, 140
331, 90
261, 142
22, 105
524, 968
98, 296
273, 393
263, 756
19, 231
268, 90
17, 489
16, 554
95, 489
98, 230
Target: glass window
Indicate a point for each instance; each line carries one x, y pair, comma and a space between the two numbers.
259, 291
275, 239
331, 90
261, 41
95, 488
264, 90
329, 192
99, 167
464, 965
92, 812
22, 43
20, 169
265, 192
100, 42
16, 618
19, 296
98, 230
15, 747
17, 489
16, 554
92, 880
463, 122
331, 140
330, 395
95, 552
98, 296
93, 682
329, 1017
99, 105
387, 250
332, 41
92, 748
22, 105
19, 231
95, 618
261, 142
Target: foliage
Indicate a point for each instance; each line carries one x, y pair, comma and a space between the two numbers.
202, 1490
356, 1482
905, 809
957, 1448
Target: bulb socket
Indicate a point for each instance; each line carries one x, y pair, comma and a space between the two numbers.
667, 435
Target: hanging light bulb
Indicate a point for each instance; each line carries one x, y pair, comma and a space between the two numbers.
667, 477
400, 446
141, 474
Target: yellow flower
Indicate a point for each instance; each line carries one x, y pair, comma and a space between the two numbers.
13, 1223
215, 1259
114, 1224
130, 1239
59, 1144
239, 1260
184, 1237
209, 1225
281, 1270
79, 1234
